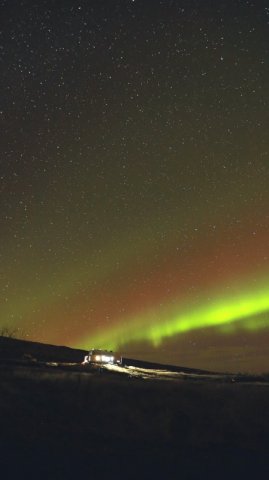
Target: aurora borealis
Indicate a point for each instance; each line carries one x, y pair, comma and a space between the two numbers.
135, 178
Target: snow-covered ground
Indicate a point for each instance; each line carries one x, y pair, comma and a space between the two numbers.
155, 374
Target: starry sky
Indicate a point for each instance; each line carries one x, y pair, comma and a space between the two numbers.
134, 178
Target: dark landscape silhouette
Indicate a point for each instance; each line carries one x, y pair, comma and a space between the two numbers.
60, 419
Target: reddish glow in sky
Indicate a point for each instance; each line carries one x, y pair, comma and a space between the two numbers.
134, 178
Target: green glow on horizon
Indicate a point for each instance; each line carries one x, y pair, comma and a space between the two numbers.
154, 326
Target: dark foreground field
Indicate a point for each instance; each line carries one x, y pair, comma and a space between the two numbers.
66, 423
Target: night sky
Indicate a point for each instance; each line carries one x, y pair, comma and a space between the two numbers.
134, 178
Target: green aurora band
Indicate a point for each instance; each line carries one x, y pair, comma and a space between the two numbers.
223, 314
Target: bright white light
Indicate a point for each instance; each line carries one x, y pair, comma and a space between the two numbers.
99, 358
104, 358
